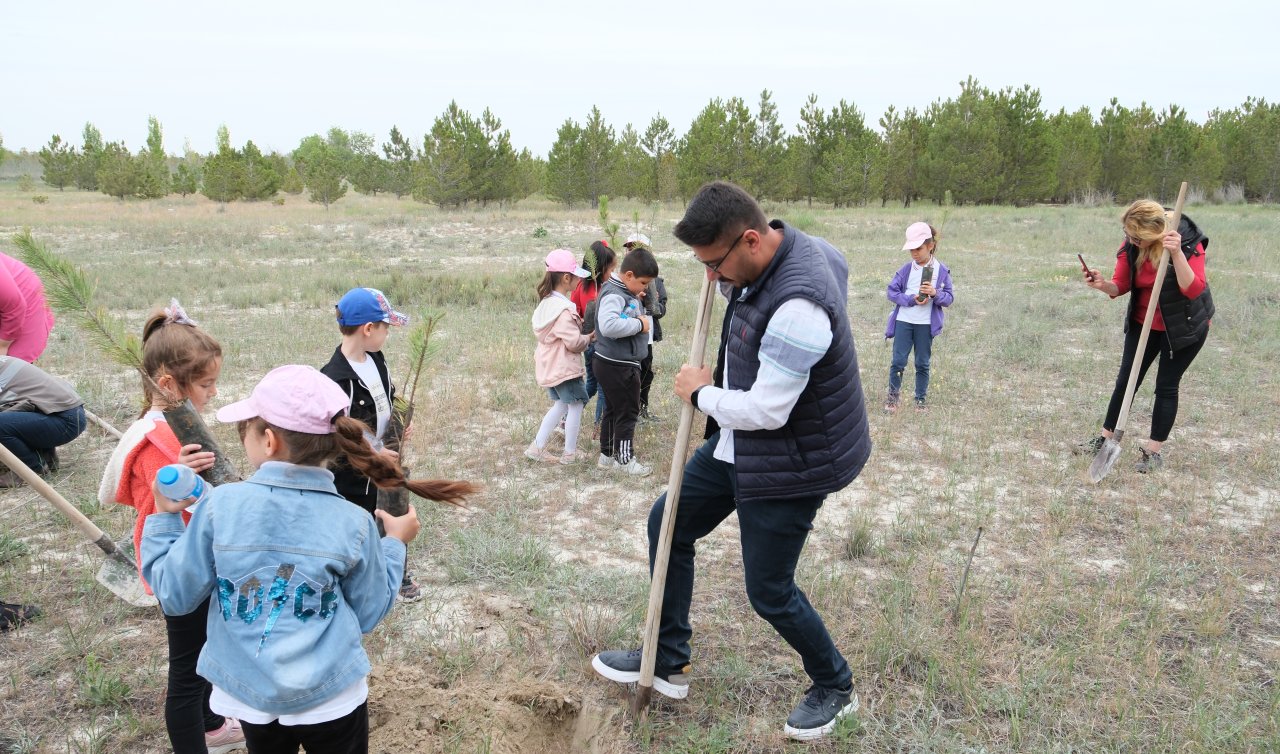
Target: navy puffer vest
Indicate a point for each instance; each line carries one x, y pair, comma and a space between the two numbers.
1185, 319
826, 441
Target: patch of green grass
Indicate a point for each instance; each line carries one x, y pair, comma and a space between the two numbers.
11, 548
102, 686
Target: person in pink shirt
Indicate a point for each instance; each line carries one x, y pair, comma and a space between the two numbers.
558, 357
25, 316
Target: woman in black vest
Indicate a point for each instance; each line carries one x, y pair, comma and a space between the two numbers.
1179, 325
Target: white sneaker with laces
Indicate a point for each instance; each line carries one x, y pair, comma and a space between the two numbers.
635, 468
606, 462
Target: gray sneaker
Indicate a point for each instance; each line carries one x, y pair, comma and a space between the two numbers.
607, 462
623, 666
1149, 462
818, 714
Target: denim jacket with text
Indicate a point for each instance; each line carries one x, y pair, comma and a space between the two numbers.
292, 575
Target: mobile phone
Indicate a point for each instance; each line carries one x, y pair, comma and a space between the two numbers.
1085, 266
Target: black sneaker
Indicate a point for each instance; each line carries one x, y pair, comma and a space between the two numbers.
623, 666
817, 715
12, 616
1150, 462
891, 403
921, 405
1090, 447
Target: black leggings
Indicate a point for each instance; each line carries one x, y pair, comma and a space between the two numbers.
346, 735
186, 703
1172, 366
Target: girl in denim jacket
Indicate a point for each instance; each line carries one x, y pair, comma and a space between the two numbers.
291, 573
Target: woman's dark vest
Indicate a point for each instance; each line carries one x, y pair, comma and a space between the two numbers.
826, 440
1185, 319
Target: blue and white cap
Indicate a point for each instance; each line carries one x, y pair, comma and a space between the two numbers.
361, 306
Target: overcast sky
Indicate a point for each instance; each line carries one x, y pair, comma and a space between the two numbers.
275, 71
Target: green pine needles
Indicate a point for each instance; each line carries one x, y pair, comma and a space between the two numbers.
70, 293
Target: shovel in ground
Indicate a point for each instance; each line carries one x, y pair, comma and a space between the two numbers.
649, 653
1110, 450
119, 573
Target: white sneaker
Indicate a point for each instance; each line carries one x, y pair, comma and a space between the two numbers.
634, 468
606, 462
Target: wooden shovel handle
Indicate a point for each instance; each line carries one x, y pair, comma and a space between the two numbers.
1161, 269
697, 357
82, 521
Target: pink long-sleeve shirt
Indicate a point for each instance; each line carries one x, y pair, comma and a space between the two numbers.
25, 316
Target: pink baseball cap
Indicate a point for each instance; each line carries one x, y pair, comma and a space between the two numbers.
563, 260
917, 234
295, 397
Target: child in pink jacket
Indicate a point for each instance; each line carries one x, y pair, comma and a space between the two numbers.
558, 358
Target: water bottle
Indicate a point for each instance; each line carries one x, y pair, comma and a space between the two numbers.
631, 311
178, 482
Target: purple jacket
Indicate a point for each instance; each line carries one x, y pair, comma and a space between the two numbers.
900, 299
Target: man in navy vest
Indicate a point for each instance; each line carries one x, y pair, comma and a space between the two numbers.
786, 426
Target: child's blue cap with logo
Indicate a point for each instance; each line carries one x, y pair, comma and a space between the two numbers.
361, 306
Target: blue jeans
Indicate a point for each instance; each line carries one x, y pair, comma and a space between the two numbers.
773, 535
26, 433
905, 336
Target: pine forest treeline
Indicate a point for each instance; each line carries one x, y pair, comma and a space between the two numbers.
979, 147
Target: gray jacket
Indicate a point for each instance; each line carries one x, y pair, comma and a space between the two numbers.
618, 328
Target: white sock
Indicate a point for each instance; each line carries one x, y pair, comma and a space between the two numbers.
571, 426
549, 422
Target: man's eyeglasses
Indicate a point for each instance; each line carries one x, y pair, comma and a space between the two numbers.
715, 266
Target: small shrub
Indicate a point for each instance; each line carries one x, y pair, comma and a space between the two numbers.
592, 628
25, 183
803, 220
859, 540
278, 201
1092, 198
540, 232
1232, 193
101, 687
40, 199
11, 548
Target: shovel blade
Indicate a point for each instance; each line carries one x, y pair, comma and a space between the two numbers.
123, 582
119, 574
1104, 460
640, 701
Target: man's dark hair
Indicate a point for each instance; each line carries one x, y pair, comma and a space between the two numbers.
640, 262
718, 212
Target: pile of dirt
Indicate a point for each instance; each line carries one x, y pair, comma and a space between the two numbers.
411, 711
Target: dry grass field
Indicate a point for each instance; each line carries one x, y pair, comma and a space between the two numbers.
1139, 614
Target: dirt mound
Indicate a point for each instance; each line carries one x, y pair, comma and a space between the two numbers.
410, 711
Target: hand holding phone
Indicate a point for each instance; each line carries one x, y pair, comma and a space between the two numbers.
1087, 273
